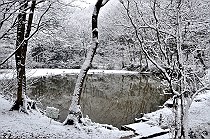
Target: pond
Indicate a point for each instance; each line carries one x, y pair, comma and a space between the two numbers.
107, 98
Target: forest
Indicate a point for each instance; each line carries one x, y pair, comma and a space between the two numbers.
146, 62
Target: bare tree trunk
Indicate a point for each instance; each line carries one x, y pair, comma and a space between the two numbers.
75, 113
20, 55
182, 130
183, 117
183, 84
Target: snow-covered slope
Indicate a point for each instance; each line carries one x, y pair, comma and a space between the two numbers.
15, 124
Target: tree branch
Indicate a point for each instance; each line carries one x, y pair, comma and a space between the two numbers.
26, 39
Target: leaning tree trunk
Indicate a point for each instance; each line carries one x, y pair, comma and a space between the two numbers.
75, 113
20, 55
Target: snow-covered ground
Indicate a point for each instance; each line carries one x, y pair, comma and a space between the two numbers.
199, 116
10, 73
15, 124
198, 123
20, 125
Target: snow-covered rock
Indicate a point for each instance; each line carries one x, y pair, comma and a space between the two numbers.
52, 112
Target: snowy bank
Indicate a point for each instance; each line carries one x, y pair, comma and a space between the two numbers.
199, 117
157, 128
10, 73
15, 124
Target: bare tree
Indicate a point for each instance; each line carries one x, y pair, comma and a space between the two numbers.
164, 34
75, 113
7, 17
23, 33
23, 23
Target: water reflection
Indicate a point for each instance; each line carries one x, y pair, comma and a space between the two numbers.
110, 99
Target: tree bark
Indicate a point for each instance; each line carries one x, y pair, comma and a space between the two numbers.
20, 55
75, 113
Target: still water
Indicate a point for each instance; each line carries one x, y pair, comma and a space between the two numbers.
107, 98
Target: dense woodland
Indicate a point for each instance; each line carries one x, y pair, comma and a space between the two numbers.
170, 38
64, 36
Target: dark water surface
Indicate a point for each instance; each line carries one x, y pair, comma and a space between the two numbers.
107, 98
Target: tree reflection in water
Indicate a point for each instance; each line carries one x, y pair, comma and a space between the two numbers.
110, 99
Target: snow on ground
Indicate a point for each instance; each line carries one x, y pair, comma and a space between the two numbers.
198, 123
36, 125
199, 116
44, 72
10, 73
14, 124
145, 130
